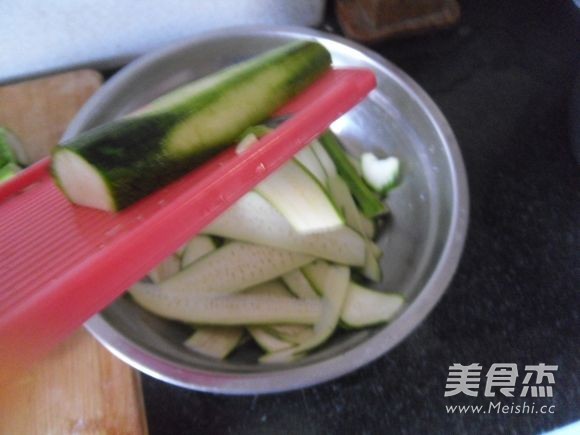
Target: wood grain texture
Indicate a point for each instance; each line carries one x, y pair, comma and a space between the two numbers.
38, 111
79, 388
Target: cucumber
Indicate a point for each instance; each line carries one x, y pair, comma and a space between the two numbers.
303, 201
248, 140
114, 165
6, 155
305, 156
298, 285
250, 136
8, 162
332, 282
367, 225
370, 204
215, 341
324, 159
259, 131
167, 268
192, 251
308, 160
270, 288
230, 310
355, 162
266, 340
289, 333
372, 267
232, 268
374, 249
253, 219
12, 150
8, 171
365, 307
197, 248
295, 334
343, 199
381, 174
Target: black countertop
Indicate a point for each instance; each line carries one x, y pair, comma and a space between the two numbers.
503, 78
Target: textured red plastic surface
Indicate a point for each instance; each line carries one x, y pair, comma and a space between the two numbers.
61, 263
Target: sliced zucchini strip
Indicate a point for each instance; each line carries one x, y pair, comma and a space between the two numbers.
299, 285
197, 248
366, 307
266, 340
167, 268
253, 219
238, 309
300, 198
332, 282
232, 268
215, 341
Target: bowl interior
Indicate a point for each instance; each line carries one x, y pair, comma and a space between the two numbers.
396, 119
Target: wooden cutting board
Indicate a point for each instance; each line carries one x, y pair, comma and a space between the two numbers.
79, 388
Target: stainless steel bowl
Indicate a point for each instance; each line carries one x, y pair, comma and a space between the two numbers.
422, 244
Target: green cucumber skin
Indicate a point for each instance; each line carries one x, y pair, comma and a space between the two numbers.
369, 203
8, 171
131, 172
140, 154
6, 152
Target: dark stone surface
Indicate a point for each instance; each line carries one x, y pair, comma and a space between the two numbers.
503, 79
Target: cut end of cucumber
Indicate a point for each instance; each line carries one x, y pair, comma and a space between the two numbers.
81, 182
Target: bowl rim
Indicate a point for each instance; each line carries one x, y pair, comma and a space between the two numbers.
318, 372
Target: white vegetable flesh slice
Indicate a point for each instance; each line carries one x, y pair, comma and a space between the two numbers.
289, 333
304, 157
372, 267
270, 288
197, 248
332, 281
232, 268
342, 197
300, 198
299, 285
374, 249
308, 159
367, 226
246, 143
215, 341
253, 219
239, 309
266, 340
166, 269
295, 334
93, 191
366, 307
324, 159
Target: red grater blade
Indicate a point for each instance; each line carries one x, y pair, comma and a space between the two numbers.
61, 263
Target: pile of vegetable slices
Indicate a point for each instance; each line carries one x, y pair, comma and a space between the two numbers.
289, 263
